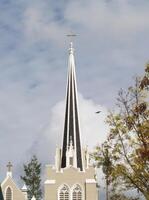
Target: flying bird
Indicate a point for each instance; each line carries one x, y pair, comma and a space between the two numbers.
98, 112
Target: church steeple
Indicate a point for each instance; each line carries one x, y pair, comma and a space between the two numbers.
71, 135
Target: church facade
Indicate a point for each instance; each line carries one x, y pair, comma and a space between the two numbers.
72, 177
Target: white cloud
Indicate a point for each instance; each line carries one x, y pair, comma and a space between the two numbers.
118, 20
38, 27
93, 128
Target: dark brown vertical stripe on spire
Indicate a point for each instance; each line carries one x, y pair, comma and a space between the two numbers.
71, 114
78, 141
63, 162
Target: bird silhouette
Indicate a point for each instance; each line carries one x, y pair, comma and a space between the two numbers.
97, 112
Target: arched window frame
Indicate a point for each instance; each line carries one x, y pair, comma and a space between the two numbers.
81, 188
11, 191
61, 187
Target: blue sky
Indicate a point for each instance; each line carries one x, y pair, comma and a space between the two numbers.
111, 48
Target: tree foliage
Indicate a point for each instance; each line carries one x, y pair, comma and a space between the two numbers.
103, 159
32, 173
121, 197
1, 194
128, 140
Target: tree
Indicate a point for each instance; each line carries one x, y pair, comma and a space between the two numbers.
103, 159
1, 194
32, 179
145, 80
121, 197
129, 137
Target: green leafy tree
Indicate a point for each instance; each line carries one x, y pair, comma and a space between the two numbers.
103, 159
145, 80
1, 194
119, 196
129, 138
32, 178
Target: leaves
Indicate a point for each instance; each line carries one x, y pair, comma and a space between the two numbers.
1, 194
128, 140
32, 179
145, 80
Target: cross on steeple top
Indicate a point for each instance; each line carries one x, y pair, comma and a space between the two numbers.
71, 35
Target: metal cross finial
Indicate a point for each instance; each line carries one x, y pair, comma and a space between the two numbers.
71, 36
9, 166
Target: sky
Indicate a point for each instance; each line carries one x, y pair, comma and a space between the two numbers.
111, 48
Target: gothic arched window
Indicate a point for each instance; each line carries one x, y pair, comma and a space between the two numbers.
77, 193
64, 193
9, 194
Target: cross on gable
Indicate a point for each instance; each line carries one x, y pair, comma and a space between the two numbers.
9, 166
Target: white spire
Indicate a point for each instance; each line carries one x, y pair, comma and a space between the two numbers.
24, 191
58, 159
71, 125
24, 188
71, 49
70, 155
71, 60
